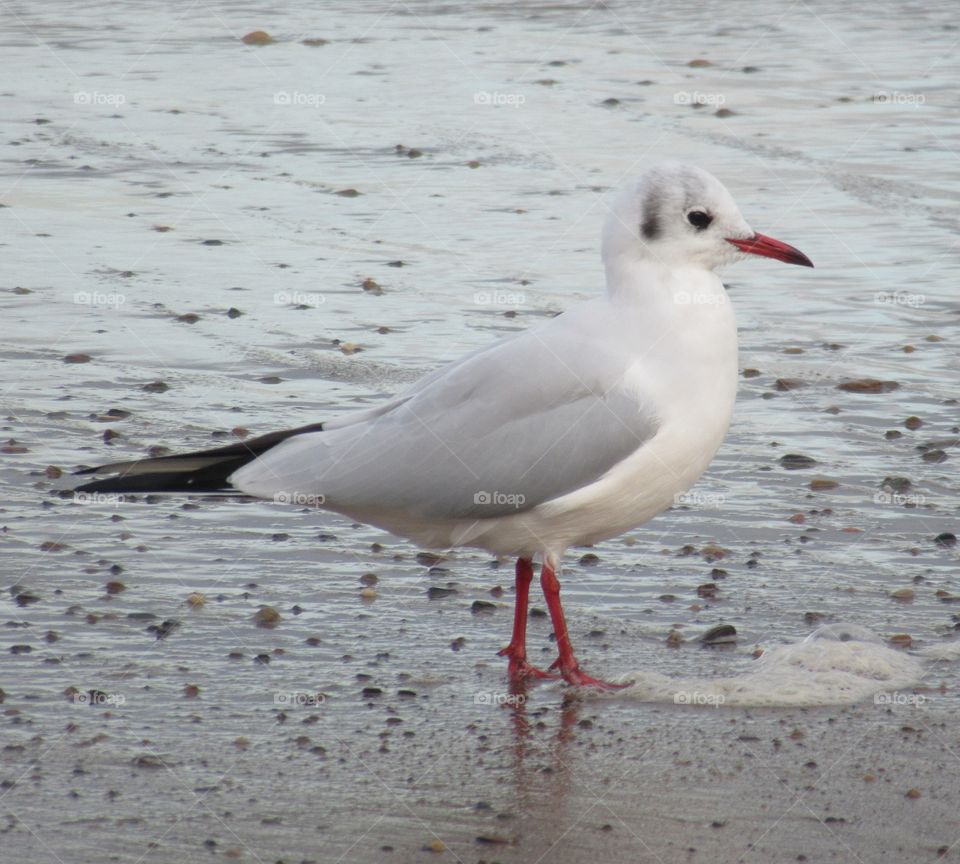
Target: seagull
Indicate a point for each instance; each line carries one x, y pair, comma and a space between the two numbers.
565, 434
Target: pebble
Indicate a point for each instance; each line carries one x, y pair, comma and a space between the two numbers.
785, 384
435, 592
257, 37
901, 640
913, 423
77, 358
156, 387
946, 540
821, 484
589, 560
796, 461
902, 595
722, 634
195, 599
266, 616
347, 193
482, 607
867, 385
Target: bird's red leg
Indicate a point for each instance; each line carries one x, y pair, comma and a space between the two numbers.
566, 663
520, 669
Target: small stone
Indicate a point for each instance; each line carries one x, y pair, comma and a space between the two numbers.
435, 592
347, 193
751, 373
796, 461
371, 286
77, 358
722, 634
191, 691
589, 560
867, 385
257, 37
902, 595
708, 590
946, 540
901, 640
913, 793
266, 616
195, 599
368, 594
913, 423
482, 607
785, 384
114, 587
699, 63
156, 387
822, 484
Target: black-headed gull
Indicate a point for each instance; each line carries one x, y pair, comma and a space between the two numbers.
565, 434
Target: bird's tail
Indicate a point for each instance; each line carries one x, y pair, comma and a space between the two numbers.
202, 471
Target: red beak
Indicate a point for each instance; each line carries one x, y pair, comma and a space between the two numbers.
760, 244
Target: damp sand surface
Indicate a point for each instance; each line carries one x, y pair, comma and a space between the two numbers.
205, 239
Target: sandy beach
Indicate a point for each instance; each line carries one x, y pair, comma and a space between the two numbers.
206, 238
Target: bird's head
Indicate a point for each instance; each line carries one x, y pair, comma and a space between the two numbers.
678, 214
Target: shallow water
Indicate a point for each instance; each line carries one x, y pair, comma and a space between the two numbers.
142, 118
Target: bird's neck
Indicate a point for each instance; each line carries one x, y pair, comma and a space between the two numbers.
649, 281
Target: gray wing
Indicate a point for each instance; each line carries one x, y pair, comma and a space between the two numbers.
498, 433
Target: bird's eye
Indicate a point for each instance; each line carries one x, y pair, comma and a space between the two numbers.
699, 219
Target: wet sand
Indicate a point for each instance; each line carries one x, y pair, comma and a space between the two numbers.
206, 239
